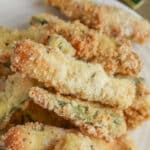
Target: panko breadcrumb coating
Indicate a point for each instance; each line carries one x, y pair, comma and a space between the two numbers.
35, 136
112, 21
70, 76
92, 119
116, 56
8, 37
139, 111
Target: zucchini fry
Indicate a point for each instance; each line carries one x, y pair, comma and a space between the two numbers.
112, 21
139, 111
9, 36
76, 141
38, 34
95, 120
57, 41
41, 137
116, 56
70, 76
12, 98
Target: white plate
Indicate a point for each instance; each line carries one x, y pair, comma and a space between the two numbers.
16, 13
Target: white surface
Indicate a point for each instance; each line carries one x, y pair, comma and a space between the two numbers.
16, 13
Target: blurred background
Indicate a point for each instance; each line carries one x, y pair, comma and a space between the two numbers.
143, 8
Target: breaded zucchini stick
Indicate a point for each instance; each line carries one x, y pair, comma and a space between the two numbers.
14, 95
139, 111
9, 36
76, 141
6, 38
70, 76
115, 56
111, 20
41, 137
95, 120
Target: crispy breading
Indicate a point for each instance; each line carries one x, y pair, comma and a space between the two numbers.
41, 137
13, 96
6, 38
57, 41
76, 141
139, 111
92, 119
111, 20
116, 56
32, 137
9, 36
70, 76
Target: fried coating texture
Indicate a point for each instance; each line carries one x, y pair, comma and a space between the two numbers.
14, 95
32, 137
77, 141
9, 36
112, 21
95, 120
41, 137
139, 111
116, 56
70, 76
6, 38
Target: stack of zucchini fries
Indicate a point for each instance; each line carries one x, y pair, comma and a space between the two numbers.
73, 85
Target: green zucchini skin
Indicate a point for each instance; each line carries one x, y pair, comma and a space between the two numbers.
104, 121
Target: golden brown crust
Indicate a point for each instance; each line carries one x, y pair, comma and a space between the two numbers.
101, 17
14, 139
37, 136
32, 136
139, 111
76, 141
115, 56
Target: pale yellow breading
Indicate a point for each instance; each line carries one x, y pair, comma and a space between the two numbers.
92, 119
111, 20
32, 136
57, 41
13, 96
8, 37
41, 137
116, 56
139, 111
70, 76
